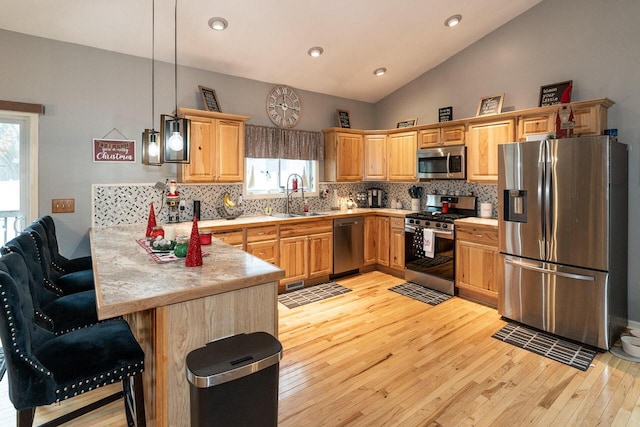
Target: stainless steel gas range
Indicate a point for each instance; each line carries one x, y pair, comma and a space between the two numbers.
430, 241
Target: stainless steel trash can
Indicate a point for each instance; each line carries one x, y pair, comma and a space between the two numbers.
234, 381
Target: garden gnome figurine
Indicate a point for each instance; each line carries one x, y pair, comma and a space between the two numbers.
152, 221
194, 252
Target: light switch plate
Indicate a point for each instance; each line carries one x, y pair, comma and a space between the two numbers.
63, 205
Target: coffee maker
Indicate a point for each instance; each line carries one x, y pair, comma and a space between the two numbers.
374, 197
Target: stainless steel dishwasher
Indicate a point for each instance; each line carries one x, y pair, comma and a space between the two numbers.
348, 244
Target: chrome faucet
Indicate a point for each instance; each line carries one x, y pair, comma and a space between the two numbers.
289, 193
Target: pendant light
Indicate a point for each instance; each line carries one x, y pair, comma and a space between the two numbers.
174, 132
150, 144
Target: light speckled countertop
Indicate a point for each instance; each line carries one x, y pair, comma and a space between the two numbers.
244, 221
478, 221
129, 280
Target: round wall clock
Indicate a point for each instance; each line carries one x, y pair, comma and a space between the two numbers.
283, 106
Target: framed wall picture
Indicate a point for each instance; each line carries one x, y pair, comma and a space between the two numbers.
406, 123
343, 119
490, 105
209, 99
557, 93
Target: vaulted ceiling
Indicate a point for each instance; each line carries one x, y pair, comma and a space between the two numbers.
268, 40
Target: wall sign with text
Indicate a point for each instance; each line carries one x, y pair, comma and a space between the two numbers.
445, 114
343, 119
557, 93
407, 123
490, 105
114, 150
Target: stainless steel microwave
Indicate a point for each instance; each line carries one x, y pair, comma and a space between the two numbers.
448, 162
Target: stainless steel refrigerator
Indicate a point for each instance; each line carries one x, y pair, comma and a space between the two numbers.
562, 210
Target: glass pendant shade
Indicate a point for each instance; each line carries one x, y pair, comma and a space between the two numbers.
174, 136
151, 148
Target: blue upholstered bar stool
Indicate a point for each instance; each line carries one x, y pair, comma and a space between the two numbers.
59, 262
55, 311
68, 283
43, 368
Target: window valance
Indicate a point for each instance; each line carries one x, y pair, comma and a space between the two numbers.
276, 143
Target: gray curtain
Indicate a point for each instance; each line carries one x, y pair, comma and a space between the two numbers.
276, 143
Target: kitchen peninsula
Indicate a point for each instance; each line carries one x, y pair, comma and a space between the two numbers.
173, 309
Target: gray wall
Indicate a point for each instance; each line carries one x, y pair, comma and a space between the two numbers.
592, 42
88, 92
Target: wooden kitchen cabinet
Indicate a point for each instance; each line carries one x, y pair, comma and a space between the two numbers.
482, 148
294, 252
234, 237
320, 259
343, 155
440, 136
383, 230
536, 124
396, 244
478, 269
590, 119
370, 240
375, 158
305, 250
216, 148
262, 242
401, 152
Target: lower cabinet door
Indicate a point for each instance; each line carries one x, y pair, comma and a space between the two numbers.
293, 255
320, 254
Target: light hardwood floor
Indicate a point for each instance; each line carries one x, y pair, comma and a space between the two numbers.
372, 357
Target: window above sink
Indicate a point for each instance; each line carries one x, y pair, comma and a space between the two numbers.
266, 178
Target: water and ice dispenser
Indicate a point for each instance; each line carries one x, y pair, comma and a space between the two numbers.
515, 205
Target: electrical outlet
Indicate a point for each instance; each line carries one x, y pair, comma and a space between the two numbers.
63, 205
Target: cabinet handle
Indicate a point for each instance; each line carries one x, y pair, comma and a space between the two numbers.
478, 235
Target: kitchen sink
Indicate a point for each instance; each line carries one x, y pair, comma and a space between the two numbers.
302, 214
282, 215
296, 215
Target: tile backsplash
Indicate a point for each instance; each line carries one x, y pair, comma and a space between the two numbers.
119, 204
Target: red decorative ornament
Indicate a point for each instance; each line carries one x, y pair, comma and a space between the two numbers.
151, 221
194, 252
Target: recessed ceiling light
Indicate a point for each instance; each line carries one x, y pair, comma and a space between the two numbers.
315, 51
453, 21
218, 24
379, 71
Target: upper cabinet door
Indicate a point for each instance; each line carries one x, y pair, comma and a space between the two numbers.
201, 152
343, 155
216, 147
482, 149
229, 153
452, 135
402, 156
349, 157
375, 158
429, 138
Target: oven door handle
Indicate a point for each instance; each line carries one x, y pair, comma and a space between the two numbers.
443, 234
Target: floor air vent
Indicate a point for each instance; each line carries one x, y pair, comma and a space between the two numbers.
293, 286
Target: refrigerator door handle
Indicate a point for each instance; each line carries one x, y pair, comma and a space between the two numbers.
542, 246
547, 271
549, 200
